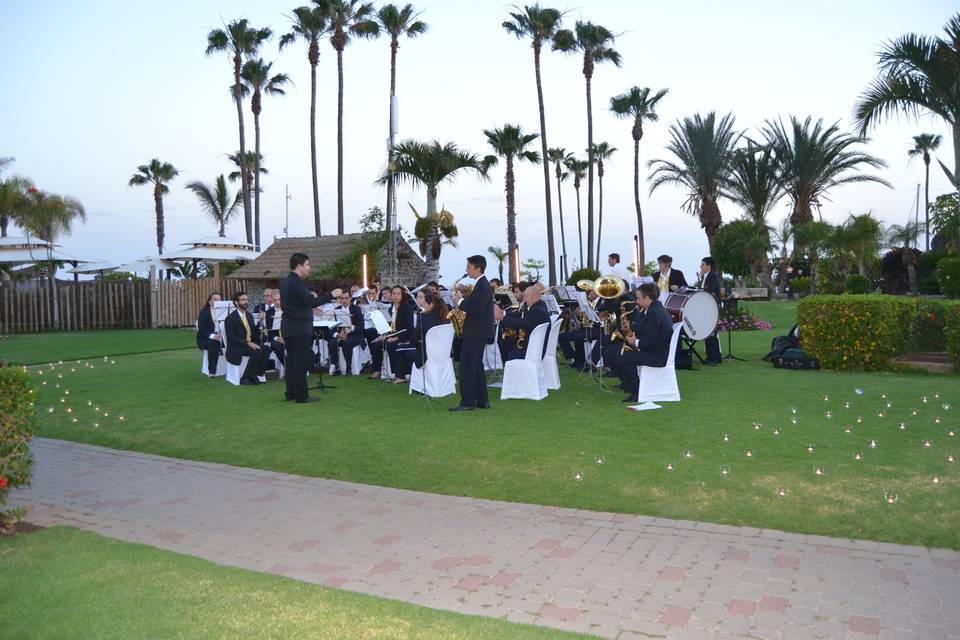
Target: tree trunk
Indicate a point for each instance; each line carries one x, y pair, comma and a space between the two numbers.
3, 226
256, 180
926, 199
576, 187
313, 145
340, 141
641, 256
551, 254
563, 240
158, 206
801, 214
432, 263
710, 220
600, 209
244, 183
814, 276
393, 89
588, 68
511, 219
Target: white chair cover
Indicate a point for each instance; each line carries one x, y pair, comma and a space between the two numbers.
221, 365
235, 371
277, 365
550, 372
437, 378
659, 384
492, 360
523, 379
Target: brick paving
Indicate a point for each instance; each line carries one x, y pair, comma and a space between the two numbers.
612, 575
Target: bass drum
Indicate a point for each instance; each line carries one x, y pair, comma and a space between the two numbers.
696, 310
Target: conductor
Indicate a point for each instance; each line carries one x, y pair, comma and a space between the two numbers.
296, 326
478, 328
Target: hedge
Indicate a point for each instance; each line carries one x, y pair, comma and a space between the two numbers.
858, 284
948, 274
16, 429
854, 332
951, 330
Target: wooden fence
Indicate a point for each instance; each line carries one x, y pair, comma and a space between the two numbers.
105, 305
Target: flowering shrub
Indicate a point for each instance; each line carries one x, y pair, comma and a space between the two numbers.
16, 429
928, 325
743, 320
948, 274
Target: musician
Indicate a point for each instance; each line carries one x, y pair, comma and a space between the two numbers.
711, 284
208, 338
347, 338
296, 326
373, 292
572, 342
496, 283
243, 340
667, 278
614, 268
533, 312
478, 328
433, 312
433, 287
266, 310
274, 335
402, 326
650, 344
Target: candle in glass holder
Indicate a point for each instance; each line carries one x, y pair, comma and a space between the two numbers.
914, 412
69, 409
89, 403
829, 414
776, 431
121, 418
857, 455
880, 414
600, 460
951, 458
748, 453
781, 492
726, 437
951, 433
946, 406
757, 426
688, 454
106, 413
873, 444
818, 472
669, 466
883, 396
49, 409
889, 405
927, 444
858, 391
826, 398
903, 426
936, 480
890, 498
578, 476
96, 425
811, 448
793, 410
924, 400
63, 400
724, 472
793, 420
847, 429
859, 419
936, 420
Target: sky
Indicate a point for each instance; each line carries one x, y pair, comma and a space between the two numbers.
96, 89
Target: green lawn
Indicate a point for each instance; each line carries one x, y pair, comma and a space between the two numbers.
66, 583
40, 348
525, 451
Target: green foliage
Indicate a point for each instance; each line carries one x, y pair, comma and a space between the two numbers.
929, 325
16, 429
800, 286
858, 284
582, 274
855, 332
350, 267
927, 272
732, 245
372, 221
948, 275
951, 332
945, 219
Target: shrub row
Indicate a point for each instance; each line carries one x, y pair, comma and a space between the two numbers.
16, 429
951, 332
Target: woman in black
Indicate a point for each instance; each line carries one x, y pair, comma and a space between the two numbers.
433, 312
402, 326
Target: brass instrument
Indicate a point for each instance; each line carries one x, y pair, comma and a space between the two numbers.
456, 316
625, 327
607, 287
521, 339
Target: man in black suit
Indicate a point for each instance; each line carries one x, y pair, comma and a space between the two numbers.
347, 340
668, 279
208, 338
711, 284
478, 328
296, 326
533, 312
653, 330
243, 339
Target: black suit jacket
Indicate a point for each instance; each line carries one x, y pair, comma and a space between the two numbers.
298, 306
403, 321
479, 309
237, 335
528, 320
676, 278
711, 284
654, 330
205, 326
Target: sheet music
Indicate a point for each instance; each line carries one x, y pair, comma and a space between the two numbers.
585, 307
571, 291
380, 322
276, 320
552, 304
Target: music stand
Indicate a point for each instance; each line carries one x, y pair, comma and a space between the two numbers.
728, 308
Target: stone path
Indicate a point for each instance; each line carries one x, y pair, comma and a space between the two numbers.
613, 575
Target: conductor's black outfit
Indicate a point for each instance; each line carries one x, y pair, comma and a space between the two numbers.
478, 328
711, 284
240, 330
206, 330
296, 326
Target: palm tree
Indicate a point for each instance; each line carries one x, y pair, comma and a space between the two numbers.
251, 164
705, 149
782, 236
814, 159
239, 40
510, 143
578, 169
427, 164
902, 237
918, 74
923, 144
396, 22
866, 235
813, 237
433, 232
637, 104
345, 19
500, 256
158, 174
559, 156
6, 161
13, 191
257, 79
595, 43
842, 244
309, 24
601, 151
216, 201
540, 25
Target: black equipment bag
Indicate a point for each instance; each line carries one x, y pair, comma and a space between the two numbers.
795, 359
781, 343
683, 358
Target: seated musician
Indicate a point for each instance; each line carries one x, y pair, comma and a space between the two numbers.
667, 278
571, 342
433, 312
208, 338
274, 335
402, 322
652, 329
533, 312
243, 339
496, 283
266, 310
346, 339
372, 294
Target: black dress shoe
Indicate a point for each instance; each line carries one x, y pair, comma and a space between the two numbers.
712, 363
485, 405
630, 399
460, 408
245, 381
306, 400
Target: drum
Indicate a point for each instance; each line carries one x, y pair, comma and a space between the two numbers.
696, 310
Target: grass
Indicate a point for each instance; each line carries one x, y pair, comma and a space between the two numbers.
66, 583
525, 451
40, 348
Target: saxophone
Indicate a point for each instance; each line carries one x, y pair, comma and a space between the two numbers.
456, 316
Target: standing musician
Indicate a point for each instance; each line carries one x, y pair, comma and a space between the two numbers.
711, 284
614, 268
243, 340
478, 328
667, 278
648, 343
296, 325
347, 338
433, 312
532, 312
208, 338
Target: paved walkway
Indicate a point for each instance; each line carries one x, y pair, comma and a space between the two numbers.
612, 575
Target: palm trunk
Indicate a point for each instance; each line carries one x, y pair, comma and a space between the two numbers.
393, 88
563, 240
590, 261
641, 256
54, 303
244, 183
3, 226
551, 254
158, 206
313, 145
926, 199
340, 141
710, 220
511, 219
256, 180
432, 263
600, 211
579, 227
814, 276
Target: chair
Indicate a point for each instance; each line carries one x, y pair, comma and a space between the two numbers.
234, 371
277, 365
437, 378
492, 360
550, 372
360, 356
221, 365
523, 379
659, 384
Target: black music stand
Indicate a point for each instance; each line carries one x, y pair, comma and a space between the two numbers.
728, 308
322, 387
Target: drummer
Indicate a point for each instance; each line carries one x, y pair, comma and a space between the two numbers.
649, 345
711, 284
667, 278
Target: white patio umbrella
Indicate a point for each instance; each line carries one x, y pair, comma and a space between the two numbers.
214, 249
31, 250
143, 265
97, 267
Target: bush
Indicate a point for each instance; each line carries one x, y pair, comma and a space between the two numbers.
952, 333
928, 325
927, 272
800, 286
16, 429
847, 332
857, 284
582, 274
948, 275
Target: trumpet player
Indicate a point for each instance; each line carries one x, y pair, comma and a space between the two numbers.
532, 313
647, 342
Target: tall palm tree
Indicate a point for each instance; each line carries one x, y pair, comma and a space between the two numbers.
346, 19
511, 143
6, 161
500, 256
812, 237
705, 149
601, 151
782, 237
842, 244
905, 238
239, 40
309, 24
217, 202
251, 164
596, 44
13, 191
578, 169
159, 174
559, 156
814, 159
639, 105
258, 81
396, 22
540, 25
923, 144
918, 74
427, 164
866, 236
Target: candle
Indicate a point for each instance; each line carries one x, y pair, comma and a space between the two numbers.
859, 419
811, 448
846, 405
748, 453
600, 460
847, 429
688, 454
829, 415
914, 412
724, 472
776, 431
578, 476
903, 426
857, 455
936, 479
781, 492
936, 420
364, 268
726, 438
946, 406
873, 444
951, 458
858, 391
890, 498
826, 398
923, 399
818, 472
927, 444
757, 426
793, 420
951, 433
669, 466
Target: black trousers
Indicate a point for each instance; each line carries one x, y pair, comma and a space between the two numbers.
278, 350
712, 345
399, 365
350, 343
212, 348
256, 364
298, 360
506, 347
473, 380
572, 345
